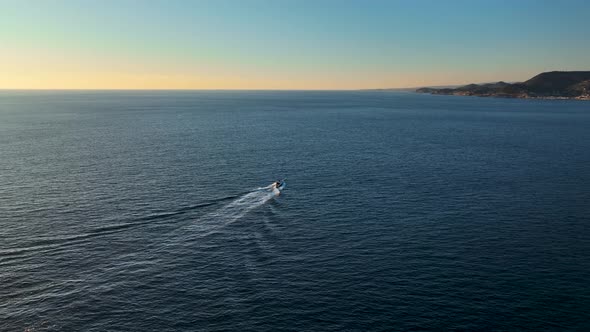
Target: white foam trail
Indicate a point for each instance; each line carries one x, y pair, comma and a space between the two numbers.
239, 207
236, 209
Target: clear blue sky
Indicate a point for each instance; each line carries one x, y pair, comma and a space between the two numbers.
287, 44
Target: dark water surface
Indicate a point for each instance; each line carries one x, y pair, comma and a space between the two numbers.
138, 211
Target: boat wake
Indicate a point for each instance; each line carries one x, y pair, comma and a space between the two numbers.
239, 207
235, 209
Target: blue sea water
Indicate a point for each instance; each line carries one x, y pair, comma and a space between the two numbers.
142, 211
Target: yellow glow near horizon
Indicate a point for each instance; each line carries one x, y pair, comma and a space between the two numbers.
49, 72
42, 68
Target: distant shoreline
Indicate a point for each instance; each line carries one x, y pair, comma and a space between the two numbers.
584, 98
556, 85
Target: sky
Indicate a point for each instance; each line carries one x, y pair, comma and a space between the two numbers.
280, 44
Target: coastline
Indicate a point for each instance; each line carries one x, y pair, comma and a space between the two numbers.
555, 85
580, 98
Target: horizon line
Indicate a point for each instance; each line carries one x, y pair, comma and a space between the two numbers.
172, 89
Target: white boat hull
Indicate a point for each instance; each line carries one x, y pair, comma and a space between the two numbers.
277, 190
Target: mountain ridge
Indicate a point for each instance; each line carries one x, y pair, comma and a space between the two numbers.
546, 85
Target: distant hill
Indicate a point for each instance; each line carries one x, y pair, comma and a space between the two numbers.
549, 85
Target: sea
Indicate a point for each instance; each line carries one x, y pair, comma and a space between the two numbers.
147, 211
